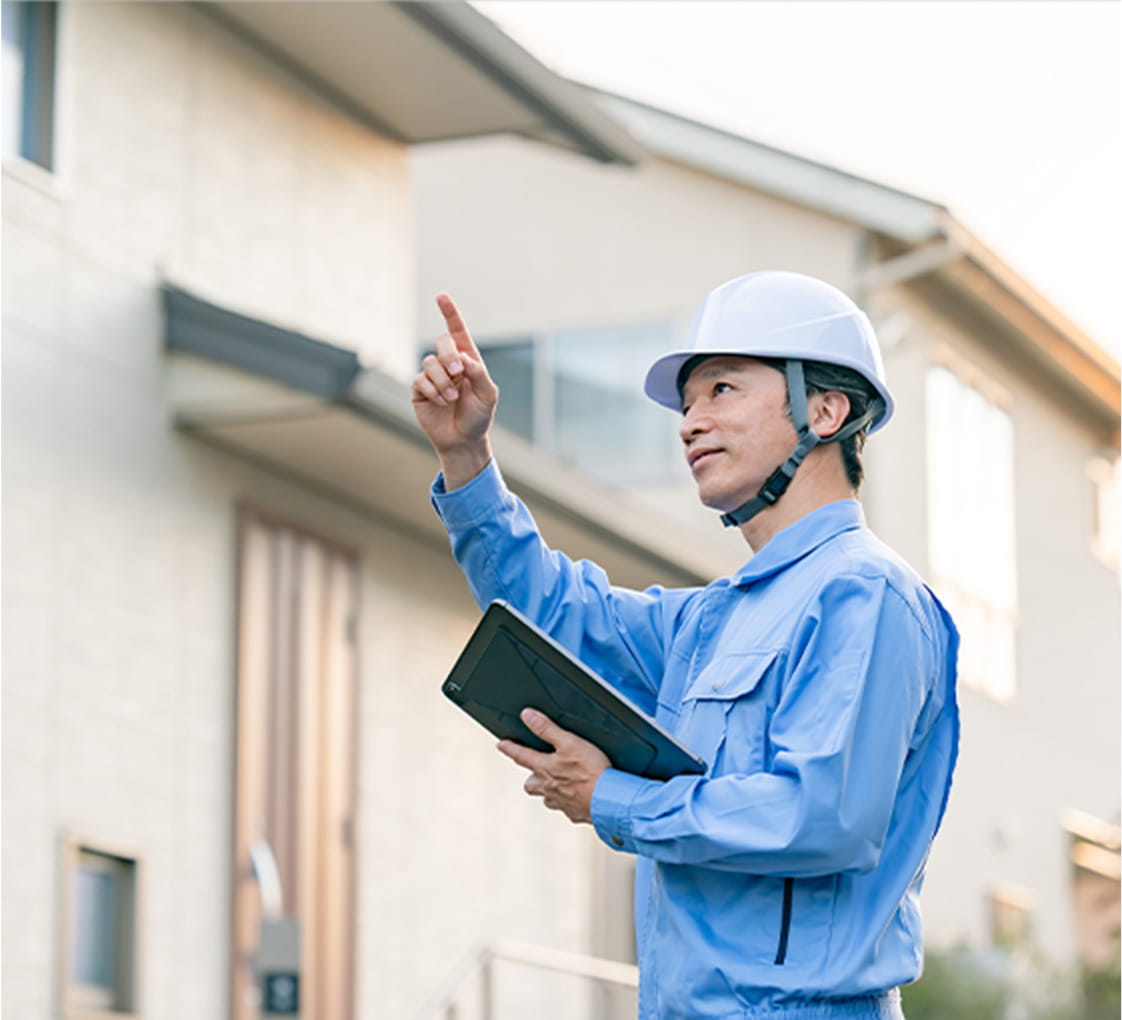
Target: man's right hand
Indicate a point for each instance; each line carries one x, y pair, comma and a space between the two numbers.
454, 399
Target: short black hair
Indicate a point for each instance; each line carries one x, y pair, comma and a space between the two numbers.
821, 376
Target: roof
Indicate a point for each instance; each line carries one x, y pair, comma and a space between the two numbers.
421, 72
935, 242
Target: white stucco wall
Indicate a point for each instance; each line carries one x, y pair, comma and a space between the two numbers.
1055, 746
187, 154
527, 236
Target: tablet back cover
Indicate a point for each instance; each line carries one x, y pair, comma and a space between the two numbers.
508, 665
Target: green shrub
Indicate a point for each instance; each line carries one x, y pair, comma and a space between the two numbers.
965, 984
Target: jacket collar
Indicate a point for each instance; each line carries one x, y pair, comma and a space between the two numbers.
798, 539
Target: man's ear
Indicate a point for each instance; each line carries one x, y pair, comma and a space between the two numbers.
827, 412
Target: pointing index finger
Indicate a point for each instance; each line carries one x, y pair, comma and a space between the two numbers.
457, 329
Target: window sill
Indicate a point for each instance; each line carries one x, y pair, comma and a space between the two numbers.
94, 1013
45, 181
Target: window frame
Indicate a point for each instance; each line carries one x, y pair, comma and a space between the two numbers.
1104, 473
87, 1002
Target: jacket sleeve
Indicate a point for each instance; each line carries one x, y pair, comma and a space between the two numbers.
849, 710
620, 633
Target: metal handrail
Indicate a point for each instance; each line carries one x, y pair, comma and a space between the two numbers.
264, 868
481, 962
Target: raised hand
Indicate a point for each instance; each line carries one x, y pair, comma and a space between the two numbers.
454, 399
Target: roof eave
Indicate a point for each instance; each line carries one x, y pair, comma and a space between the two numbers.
381, 62
1065, 347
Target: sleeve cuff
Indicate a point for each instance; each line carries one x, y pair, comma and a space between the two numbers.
471, 503
611, 808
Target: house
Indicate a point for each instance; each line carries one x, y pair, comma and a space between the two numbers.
229, 775
230, 780
997, 479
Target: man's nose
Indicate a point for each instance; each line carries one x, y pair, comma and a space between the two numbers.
693, 423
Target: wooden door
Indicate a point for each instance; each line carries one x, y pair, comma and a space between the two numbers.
295, 755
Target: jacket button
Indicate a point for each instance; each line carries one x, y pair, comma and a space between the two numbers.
617, 841
718, 684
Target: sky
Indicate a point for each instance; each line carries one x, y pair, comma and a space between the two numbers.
1007, 112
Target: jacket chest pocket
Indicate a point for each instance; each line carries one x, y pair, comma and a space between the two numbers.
725, 712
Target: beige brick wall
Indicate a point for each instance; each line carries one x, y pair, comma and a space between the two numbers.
186, 153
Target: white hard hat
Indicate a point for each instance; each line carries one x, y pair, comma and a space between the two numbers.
777, 314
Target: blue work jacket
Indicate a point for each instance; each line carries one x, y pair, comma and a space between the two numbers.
818, 683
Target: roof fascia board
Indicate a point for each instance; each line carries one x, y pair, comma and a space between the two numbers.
1028, 296
1066, 357
895, 213
259, 348
557, 101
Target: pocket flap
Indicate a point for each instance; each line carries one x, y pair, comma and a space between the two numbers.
730, 676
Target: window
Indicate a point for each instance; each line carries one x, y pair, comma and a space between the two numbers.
1097, 885
1011, 913
578, 393
971, 522
1106, 512
29, 75
100, 937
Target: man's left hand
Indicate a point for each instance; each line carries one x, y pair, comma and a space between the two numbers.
565, 778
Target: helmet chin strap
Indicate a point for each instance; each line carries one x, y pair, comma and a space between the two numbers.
781, 477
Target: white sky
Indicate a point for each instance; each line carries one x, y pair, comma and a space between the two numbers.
1007, 112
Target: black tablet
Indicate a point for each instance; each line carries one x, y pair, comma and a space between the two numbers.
509, 664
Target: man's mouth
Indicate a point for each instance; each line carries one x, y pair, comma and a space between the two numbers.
696, 457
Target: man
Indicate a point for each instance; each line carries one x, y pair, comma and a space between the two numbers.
817, 682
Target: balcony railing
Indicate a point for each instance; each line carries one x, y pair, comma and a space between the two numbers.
479, 971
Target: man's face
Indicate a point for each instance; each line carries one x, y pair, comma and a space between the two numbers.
735, 428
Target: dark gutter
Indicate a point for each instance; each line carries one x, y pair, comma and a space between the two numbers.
197, 327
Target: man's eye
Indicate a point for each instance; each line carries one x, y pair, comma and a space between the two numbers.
721, 387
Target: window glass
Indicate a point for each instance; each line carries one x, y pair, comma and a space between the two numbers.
100, 970
13, 20
579, 394
972, 533
28, 80
603, 420
1011, 917
1106, 510
512, 367
96, 896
